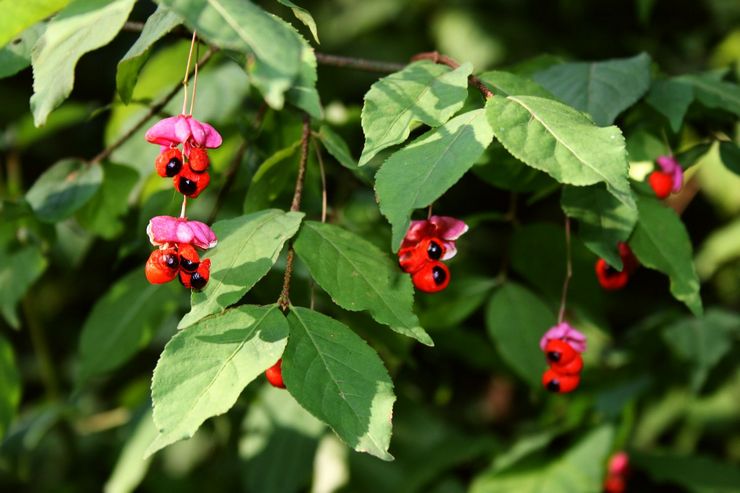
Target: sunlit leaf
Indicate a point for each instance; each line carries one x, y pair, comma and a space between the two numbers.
19, 16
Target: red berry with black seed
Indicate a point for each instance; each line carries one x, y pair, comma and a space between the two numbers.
189, 259
559, 352
433, 277
191, 184
559, 383
162, 265
169, 162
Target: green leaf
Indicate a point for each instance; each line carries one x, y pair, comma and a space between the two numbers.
714, 93
242, 26
660, 242
579, 470
157, 25
602, 89
696, 473
516, 320
603, 220
562, 142
19, 16
508, 84
462, 298
719, 248
83, 26
304, 16
247, 248
205, 367
122, 322
63, 189
130, 468
337, 147
502, 170
692, 155
303, 93
273, 178
17, 55
729, 152
671, 98
10, 386
703, 342
423, 92
339, 379
358, 276
421, 172
101, 214
18, 272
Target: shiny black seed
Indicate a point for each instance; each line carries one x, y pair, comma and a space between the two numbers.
197, 281
173, 167
170, 261
434, 250
439, 275
189, 265
553, 385
186, 187
554, 356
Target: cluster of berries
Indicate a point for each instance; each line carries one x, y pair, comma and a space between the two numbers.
668, 179
187, 168
612, 279
426, 244
563, 346
617, 472
177, 239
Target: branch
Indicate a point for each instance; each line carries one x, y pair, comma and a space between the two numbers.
295, 206
436, 57
153, 110
358, 63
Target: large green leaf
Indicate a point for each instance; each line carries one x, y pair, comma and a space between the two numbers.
339, 379
62, 189
157, 25
123, 321
421, 172
714, 93
562, 142
602, 89
423, 92
358, 276
83, 26
695, 473
10, 386
102, 214
303, 93
247, 248
579, 470
17, 55
603, 220
516, 320
703, 341
672, 98
243, 26
508, 84
205, 367
19, 16
660, 242
18, 271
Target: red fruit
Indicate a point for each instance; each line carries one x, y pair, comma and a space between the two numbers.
198, 159
189, 259
609, 277
162, 265
558, 383
189, 183
169, 162
615, 484
629, 261
413, 258
559, 352
573, 368
662, 183
197, 280
274, 374
433, 277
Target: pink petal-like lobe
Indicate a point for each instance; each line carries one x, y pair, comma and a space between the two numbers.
565, 332
168, 229
163, 132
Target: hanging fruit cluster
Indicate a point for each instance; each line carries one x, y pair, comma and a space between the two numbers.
563, 346
617, 472
426, 244
612, 279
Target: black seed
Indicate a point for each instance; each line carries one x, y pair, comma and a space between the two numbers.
189, 265
553, 385
173, 167
439, 275
170, 261
554, 356
186, 187
434, 250
197, 281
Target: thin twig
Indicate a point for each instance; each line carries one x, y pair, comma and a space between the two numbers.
358, 63
437, 57
187, 75
153, 110
324, 199
295, 206
568, 271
